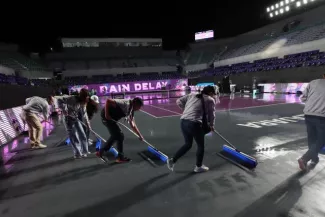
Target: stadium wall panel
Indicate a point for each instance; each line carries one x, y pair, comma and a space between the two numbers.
114, 71
15, 95
196, 67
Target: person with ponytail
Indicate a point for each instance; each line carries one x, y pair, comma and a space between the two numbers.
197, 120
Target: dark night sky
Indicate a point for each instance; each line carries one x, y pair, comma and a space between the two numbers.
37, 27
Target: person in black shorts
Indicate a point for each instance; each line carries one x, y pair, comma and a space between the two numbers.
113, 111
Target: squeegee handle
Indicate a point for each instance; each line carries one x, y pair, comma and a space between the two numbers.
133, 132
224, 139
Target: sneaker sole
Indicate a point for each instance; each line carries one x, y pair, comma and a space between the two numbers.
122, 162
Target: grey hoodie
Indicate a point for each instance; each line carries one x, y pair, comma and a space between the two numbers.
314, 98
37, 105
192, 107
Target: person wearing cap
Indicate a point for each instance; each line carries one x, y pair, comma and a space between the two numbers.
197, 120
314, 99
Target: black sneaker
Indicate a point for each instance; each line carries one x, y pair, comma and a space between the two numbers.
123, 160
302, 164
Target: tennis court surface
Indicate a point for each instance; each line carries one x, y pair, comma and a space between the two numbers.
49, 182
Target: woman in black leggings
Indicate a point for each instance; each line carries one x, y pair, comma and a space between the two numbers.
191, 124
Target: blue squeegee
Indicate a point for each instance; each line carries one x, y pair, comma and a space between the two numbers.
235, 155
150, 148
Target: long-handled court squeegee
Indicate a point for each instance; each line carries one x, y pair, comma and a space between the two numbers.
151, 148
112, 149
235, 155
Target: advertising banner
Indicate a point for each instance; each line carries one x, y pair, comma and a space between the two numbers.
135, 86
284, 87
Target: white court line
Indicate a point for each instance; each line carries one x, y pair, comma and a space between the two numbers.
168, 116
164, 109
149, 114
251, 107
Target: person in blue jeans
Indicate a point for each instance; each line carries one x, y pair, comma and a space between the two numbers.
314, 98
191, 125
74, 109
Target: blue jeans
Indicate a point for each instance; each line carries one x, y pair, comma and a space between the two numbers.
191, 130
316, 137
78, 138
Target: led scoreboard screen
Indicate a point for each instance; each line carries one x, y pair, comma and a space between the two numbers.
204, 35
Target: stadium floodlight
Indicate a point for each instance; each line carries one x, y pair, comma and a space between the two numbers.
287, 8
271, 14
281, 11
305, 1
287, 1
272, 7
268, 9
298, 4
293, 0
276, 13
276, 5
281, 3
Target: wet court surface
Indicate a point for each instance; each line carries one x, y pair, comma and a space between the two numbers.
271, 128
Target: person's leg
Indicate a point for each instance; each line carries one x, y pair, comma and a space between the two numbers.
199, 139
38, 130
120, 140
320, 139
186, 127
74, 140
31, 131
82, 138
312, 139
110, 125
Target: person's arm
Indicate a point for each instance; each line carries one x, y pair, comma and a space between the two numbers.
211, 107
62, 102
109, 103
135, 128
181, 102
305, 93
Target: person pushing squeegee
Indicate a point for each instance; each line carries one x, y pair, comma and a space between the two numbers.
113, 111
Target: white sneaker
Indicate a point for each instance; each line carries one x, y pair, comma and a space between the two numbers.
201, 169
40, 146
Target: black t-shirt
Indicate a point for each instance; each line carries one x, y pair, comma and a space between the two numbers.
116, 113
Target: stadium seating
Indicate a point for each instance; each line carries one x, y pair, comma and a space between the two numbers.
288, 39
311, 58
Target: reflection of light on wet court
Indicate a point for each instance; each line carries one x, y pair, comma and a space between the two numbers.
268, 146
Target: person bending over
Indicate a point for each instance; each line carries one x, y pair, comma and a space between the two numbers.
314, 98
114, 111
74, 109
191, 124
34, 106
